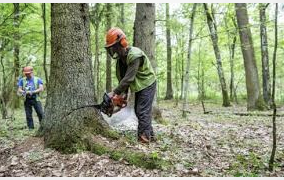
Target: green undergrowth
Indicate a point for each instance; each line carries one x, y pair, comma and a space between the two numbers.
16, 129
250, 165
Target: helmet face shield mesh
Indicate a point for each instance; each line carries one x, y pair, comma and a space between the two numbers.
113, 51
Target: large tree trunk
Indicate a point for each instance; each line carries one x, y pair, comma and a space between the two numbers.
264, 55
144, 38
214, 38
186, 77
169, 91
254, 98
16, 100
45, 41
71, 81
108, 60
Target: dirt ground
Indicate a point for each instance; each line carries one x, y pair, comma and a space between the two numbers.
216, 144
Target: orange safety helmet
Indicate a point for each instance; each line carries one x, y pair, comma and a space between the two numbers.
115, 35
27, 70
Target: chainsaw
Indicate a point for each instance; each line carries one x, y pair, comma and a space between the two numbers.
110, 105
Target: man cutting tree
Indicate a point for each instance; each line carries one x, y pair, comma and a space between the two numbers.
134, 71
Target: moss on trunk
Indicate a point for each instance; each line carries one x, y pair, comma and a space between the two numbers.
140, 159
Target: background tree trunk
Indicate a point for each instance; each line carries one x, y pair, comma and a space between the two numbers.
254, 98
231, 47
264, 55
144, 30
200, 75
16, 99
4, 96
108, 60
274, 135
169, 91
96, 15
7, 83
214, 38
182, 78
186, 77
144, 38
122, 16
176, 70
71, 80
45, 42
232, 65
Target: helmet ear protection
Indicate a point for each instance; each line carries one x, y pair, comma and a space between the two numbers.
123, 41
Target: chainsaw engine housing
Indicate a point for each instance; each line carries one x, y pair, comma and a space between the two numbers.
107, 105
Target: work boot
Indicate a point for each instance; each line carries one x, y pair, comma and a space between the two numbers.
143, 139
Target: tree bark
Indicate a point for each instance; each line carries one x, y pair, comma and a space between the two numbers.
169, 91
264, 56
254, 98
71, 81
108, 60
214, 38
16, 100
274, 133
45, 42
186, 77
144, 38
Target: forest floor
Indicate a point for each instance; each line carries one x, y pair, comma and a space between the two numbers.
217, 144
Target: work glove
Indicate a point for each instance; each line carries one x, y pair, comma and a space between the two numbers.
30, 93
110, 94
119, 100
23, 94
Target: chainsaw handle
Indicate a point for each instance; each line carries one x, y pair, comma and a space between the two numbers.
124, 104
119, 100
